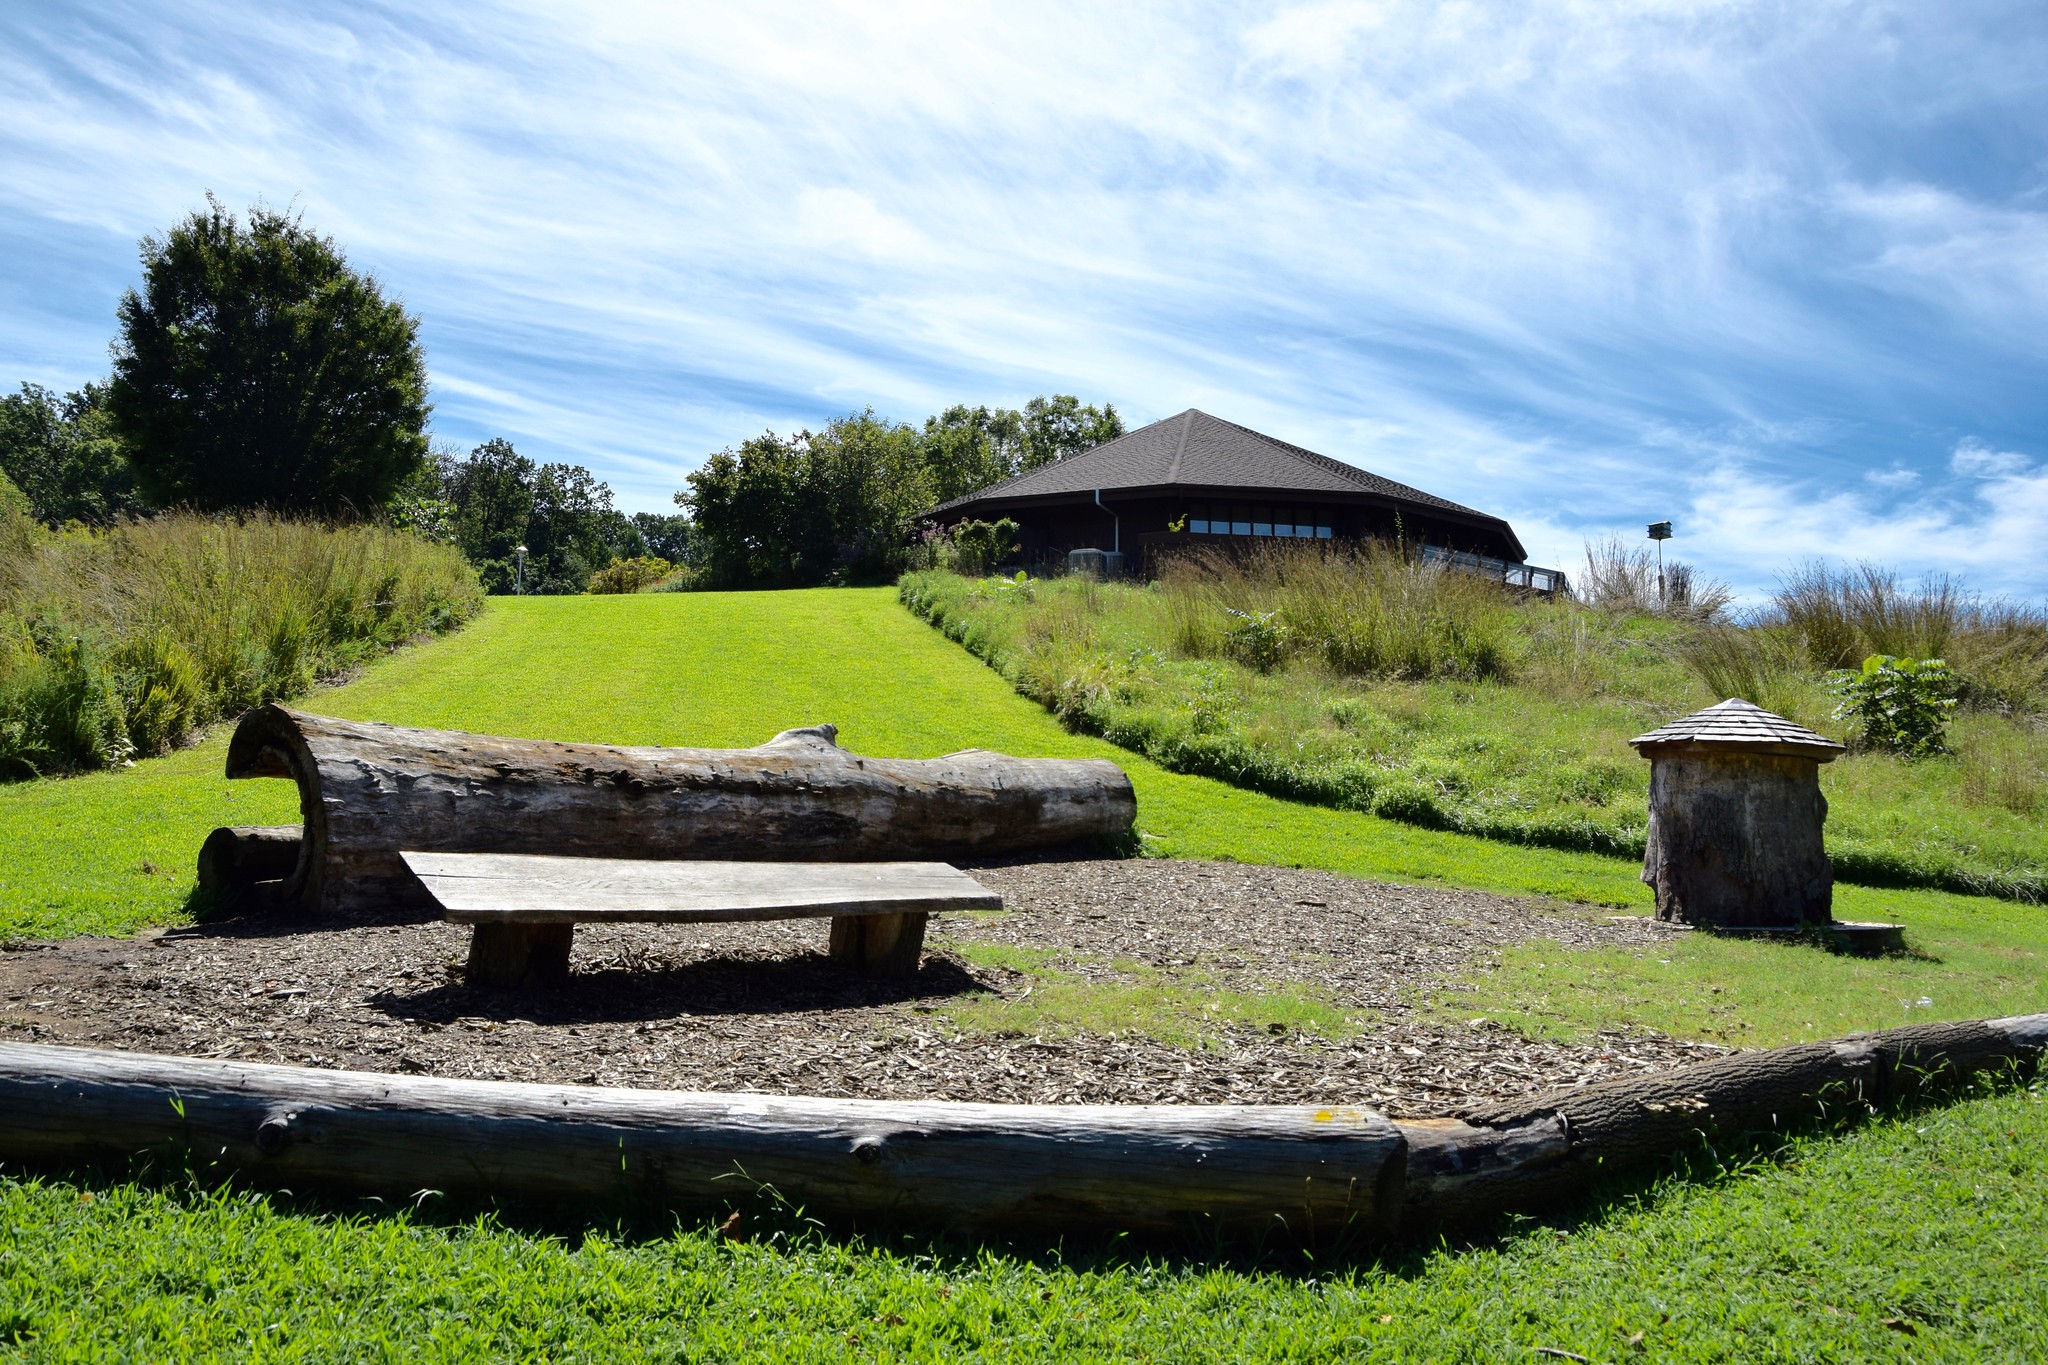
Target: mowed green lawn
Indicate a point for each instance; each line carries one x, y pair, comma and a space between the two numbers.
1914, 1238
109, 852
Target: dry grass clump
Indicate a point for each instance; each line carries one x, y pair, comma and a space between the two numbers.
1623, 578
118, 642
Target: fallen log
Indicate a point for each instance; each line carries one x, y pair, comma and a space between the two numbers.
972, 1168
1538, 1152
368, 790
1079, 1169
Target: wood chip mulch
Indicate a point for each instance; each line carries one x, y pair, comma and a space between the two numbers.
760, 1008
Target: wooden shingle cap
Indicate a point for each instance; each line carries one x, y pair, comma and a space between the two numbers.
1737, 726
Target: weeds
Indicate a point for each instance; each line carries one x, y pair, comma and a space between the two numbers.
1357, 681
117, 643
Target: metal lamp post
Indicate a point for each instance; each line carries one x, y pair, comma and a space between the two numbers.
519, 570
1660, 531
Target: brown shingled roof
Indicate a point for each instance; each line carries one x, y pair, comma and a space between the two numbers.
1738, 724
1195, 450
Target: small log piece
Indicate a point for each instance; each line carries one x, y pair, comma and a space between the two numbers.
368, 790
1529, 1154
236, 857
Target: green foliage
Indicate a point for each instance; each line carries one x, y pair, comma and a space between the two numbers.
979, 546
1762, 665
497, 500
965, 449
1900, 705
631, 575
118, 642
811, 508
837, 506
257, 368
63, 455
1532, 751
1998, 649
1255, 639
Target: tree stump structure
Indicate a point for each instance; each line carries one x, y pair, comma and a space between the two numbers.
367, 790
1736, 814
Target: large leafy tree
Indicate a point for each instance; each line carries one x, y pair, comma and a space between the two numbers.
836, 505
1062, 425
970, 448
497, 500
257, 368
808, 508
64, 457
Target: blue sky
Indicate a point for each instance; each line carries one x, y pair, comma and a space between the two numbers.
1778, 272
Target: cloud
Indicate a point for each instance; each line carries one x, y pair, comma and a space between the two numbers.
1567, 263
1974, 460
1989, 530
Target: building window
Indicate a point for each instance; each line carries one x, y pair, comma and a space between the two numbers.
1199, 525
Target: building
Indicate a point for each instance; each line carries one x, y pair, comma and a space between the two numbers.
1194, 480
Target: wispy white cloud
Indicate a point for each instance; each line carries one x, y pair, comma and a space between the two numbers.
1582, 264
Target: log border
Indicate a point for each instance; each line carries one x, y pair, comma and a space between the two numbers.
1309, 1173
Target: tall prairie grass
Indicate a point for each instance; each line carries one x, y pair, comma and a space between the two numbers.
1357, 680
118, 643
1365, 611
1998, 648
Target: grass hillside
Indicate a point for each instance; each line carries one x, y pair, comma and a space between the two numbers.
1426, 697
1918, 1224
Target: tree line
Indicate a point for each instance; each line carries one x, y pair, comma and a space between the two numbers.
254, 367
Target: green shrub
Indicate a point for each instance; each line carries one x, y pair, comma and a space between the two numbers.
118, 642
1901, 705
1255, 639
638, 574
979, 546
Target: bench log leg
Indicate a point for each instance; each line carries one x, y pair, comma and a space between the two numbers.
881, 945
505, 955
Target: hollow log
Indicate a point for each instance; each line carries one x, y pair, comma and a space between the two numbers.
966, 1167
368, 790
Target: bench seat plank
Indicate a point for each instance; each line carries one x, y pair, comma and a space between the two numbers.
509, 888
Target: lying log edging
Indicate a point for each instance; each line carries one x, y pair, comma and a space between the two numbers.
973, 1168
1527, 1154
366, 791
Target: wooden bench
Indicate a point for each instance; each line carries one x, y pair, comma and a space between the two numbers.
525, 907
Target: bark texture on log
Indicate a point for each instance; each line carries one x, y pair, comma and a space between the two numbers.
1735, 840
368, 790
1532, 1153
967, 1167
971, 1167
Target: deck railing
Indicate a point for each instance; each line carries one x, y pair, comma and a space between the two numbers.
1515, 574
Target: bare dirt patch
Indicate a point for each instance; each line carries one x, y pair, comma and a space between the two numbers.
760, 1008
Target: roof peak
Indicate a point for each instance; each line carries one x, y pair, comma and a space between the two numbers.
1738, 724
1184, 457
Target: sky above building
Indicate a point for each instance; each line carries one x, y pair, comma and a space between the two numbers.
1775, 272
